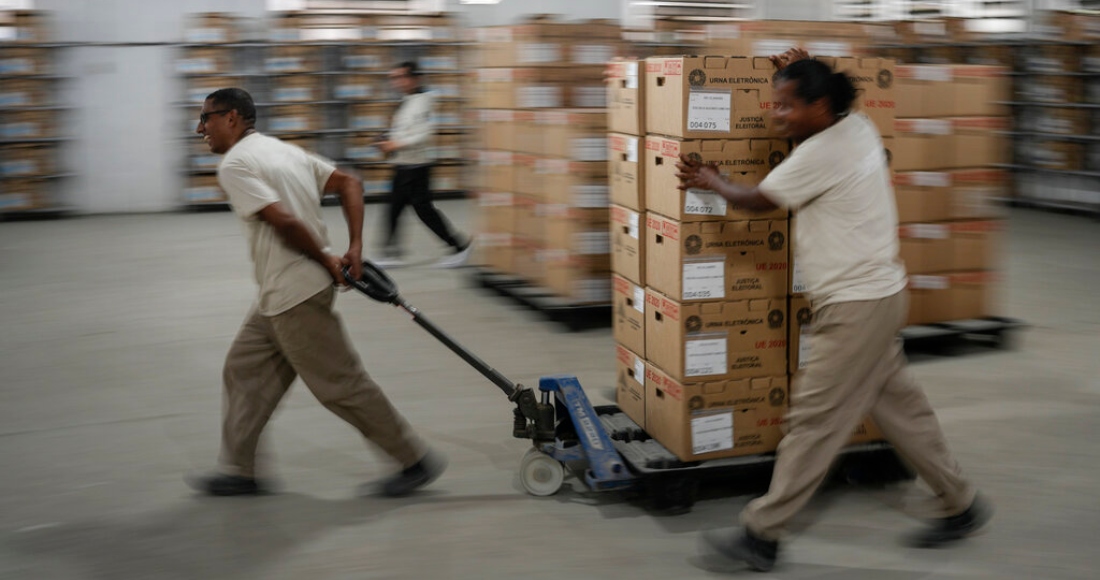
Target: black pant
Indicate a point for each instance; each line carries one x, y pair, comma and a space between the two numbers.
412, 186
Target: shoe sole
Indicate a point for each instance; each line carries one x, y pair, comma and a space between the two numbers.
722, 545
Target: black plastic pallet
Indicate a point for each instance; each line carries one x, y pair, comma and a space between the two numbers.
561, 310
943, 337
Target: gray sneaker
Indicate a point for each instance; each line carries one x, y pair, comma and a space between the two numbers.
743, 546
408, 480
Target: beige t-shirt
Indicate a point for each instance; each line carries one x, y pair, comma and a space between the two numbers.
257, 172
846, 231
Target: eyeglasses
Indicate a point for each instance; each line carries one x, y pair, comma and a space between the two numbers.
204, 117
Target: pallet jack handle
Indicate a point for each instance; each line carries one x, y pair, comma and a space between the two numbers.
533, 420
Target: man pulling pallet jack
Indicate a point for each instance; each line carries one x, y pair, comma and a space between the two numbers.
837, 181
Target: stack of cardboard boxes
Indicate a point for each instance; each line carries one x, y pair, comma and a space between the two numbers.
703, 307
542, 169
27, 123
946, 142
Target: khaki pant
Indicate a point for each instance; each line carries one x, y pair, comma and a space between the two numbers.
856, 366
308, 340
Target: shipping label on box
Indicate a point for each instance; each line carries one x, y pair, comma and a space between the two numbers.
625, 97
716, 260
741, 161
874, 79
709, 97
709, 420
707, 340
630, 385
922, 196
628, 312
626, 167
628, 244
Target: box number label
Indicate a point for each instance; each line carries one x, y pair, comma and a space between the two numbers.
704, 280
705, 357
703, 202
711, 433
709, 111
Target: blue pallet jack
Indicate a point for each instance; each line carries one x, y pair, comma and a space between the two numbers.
600, 445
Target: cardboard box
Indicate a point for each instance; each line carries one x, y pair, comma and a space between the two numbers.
446, 86
211, 28
497, 250
439, 60
742, 161
202, 61
203, 189
923, 144
926, 248
977, 141
1003, 55
628, 314
716, 260
626, 168
18, 92
583, 235
978, 90
710, 420
923, 91
1061, 155
446, 178
363, 148
24, 194
975, 244
801, 319
496, 170
377, 180
976, 194
922, 196
577, 135
709, 97
1062, 121
368, 58
768, 37
576, 283
630, 385
293, 118
496, 211
940, 54
626, 98
296, 88
628, 244
370, 116
27, 161
1053, 58
292, 59
1052, 89
712, 340
955, 296
1069, 25
499, 128
537, 88
27, 124
578, 183
874, 78
356, 88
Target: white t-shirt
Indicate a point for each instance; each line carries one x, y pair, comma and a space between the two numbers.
257, 172
846, 222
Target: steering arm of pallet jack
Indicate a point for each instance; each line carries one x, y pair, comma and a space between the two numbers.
533, 419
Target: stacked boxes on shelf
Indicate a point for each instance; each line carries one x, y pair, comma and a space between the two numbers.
320, 81
542, 168
948, 141
30, 124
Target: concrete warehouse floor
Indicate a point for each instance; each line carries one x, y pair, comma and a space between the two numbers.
114, 333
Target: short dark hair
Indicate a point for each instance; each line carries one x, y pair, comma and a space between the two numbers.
817, 80
411, 68
235, 99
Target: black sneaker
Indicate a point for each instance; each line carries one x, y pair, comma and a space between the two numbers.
943, 531
742, 545
425, 471
220, 484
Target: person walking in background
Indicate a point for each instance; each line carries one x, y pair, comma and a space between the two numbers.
837, 181
292, 330
409, 143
